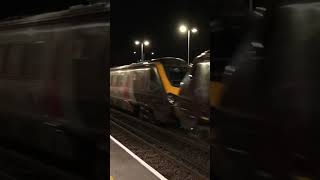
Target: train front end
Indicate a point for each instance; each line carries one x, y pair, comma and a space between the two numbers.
171, 72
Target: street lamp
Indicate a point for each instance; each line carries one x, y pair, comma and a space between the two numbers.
142, 44
183, 29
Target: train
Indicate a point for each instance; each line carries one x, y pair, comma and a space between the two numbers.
148, 88
52, 86
266, 123
191, 106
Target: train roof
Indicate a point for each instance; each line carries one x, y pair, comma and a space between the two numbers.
205, 56
148, 62
73, 11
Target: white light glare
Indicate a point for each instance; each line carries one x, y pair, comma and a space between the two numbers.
137, 42
146, 43
194, 30
183, 28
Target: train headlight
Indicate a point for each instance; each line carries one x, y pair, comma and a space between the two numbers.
171, 98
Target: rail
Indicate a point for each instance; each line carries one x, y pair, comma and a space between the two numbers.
193, 156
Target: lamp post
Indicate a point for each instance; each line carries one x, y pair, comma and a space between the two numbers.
142, 44
185, 29
250, 5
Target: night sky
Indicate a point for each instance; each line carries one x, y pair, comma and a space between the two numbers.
155, 20
158, 22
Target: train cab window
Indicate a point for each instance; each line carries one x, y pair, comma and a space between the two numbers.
33, 57
175, 74
14, 60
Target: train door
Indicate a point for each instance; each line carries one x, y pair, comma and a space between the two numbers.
156, 90
192, 105
201, 97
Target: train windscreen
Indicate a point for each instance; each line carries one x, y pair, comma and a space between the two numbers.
175, 72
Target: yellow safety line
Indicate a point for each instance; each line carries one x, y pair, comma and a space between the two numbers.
165, 81
111, 178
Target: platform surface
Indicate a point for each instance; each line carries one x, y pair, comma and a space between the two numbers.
124, 165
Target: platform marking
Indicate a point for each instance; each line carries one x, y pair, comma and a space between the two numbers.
156, 173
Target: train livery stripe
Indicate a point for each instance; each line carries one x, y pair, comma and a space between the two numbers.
147, 166
216, 92
165, 81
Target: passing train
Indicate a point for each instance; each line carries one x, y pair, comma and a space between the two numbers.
192, 106
266, 121
52, 86
148, 87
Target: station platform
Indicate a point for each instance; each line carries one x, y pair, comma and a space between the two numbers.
125, 165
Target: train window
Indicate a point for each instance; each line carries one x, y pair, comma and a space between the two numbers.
139, 82
113, 79
33, 57
154, 81
141, 78
147, 77
14, 59
77, 49
3, 50
117, 80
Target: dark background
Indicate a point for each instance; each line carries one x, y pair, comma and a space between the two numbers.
155, 20
29, 7
158, 22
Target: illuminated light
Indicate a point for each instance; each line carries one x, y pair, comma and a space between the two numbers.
137, 42
257, 44
134, 52
146, 43
183, 28
194, 30
152, 53
261, 8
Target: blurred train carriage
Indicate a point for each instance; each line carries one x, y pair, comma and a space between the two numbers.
192, 106
266, 124
52, 83
147, 88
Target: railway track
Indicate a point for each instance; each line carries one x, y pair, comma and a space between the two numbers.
173, 132
190, 154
